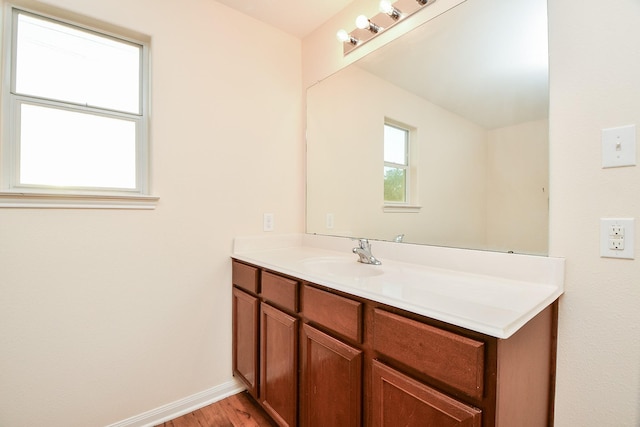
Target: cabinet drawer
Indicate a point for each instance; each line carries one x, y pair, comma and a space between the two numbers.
245, 276
280, 291
341, 315
453, 359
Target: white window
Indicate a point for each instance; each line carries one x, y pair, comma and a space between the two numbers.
396, 164
75, 111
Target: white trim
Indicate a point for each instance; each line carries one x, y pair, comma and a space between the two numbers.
402, 208
183, 406
76, 201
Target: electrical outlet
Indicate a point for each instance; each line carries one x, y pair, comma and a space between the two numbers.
617, 230
617, 238
616, 244
329, 221
267, 222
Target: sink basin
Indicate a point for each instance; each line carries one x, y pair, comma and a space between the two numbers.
341, 267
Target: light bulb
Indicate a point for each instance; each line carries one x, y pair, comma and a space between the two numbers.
389, 9
362, 22
386, 7
345, 37
342, 36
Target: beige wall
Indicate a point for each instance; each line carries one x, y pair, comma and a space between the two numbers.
595, 84
106, 314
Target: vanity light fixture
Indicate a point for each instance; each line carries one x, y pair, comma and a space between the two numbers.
343, 36
389, 9
389, 16
364, 23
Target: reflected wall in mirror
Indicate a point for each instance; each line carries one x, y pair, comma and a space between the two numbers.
471, 88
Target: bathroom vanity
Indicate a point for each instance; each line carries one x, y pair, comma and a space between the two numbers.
322, 340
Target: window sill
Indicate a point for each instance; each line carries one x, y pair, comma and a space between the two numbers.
401, 208
76, 201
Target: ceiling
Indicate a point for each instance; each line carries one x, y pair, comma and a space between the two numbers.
296, 17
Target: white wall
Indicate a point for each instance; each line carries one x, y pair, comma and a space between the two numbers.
106, 314
595, 83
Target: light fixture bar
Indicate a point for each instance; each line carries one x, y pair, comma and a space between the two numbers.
368, 28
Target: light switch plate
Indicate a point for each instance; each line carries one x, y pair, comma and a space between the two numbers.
617, 237
619, 146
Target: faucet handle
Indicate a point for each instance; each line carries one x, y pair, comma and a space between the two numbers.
364, 244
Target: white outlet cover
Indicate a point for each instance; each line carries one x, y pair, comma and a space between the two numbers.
330, 221
619, 146
267, 222
605, 236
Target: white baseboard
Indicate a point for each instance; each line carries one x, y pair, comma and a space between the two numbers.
182, 406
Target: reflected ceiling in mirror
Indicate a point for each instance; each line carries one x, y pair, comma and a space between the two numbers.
471, 88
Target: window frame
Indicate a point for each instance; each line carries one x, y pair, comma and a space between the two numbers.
405, 167
409, 205
14, 194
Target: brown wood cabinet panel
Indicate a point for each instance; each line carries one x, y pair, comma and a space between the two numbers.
245, 276
398, 400
525, 374
245, 339
280, 291
451, 358
341, 315
278, 364
331, 381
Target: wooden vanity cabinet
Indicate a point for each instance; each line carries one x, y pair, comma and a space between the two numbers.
331, 381
245, 312
265, 339
331, 374
398, 399
441, 357
245, 339
279, 364
313, 356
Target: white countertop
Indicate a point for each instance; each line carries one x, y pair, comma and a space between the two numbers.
488, 292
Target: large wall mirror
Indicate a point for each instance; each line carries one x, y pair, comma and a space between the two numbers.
439, 137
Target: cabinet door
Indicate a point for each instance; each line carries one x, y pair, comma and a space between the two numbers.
279, 368
398, 400
331, 381
245, 339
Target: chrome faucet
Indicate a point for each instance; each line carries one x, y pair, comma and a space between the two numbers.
364, 252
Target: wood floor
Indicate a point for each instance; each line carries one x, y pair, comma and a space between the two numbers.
235, 411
